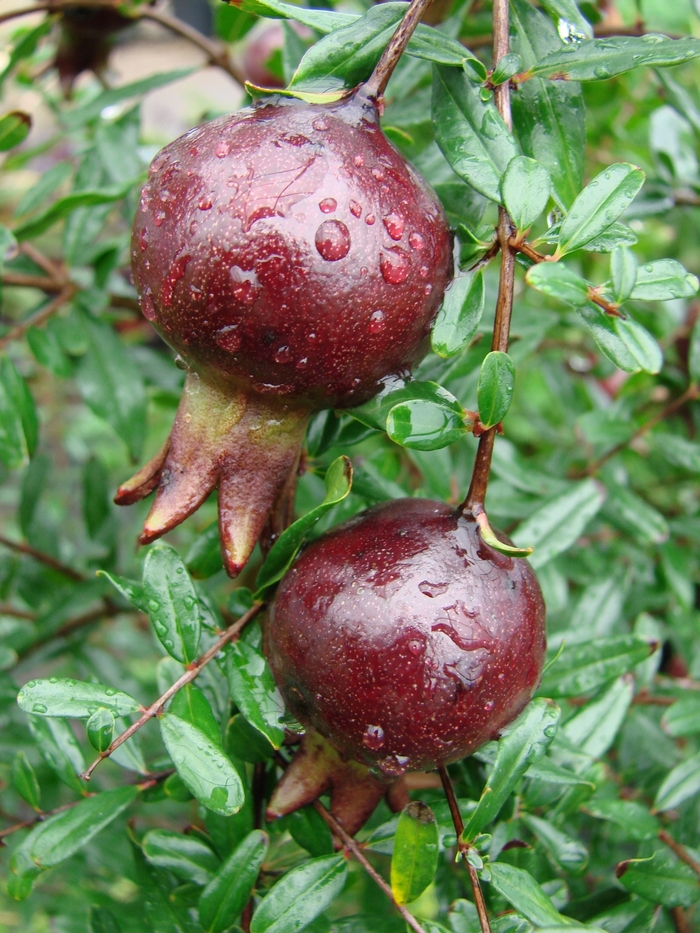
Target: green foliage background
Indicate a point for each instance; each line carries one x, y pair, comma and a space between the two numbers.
597, 470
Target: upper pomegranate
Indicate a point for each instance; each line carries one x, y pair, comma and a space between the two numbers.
294, 259
290, 249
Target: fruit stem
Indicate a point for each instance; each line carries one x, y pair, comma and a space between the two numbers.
463, 848
376, 84
474, 501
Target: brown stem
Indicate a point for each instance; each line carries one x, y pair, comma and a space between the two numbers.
474, 501
7, 610
378, 80
43, 282
108, 609
43, 558
42, 315
691, 394
464, 847
51, 268
352, 846
190, 674
680, 921
680, 851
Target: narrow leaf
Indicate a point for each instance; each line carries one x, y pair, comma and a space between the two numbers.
420, 424
24, 780
75, 699
525, 187
187, 857
558, 281
623, 269
172, 603
300, 896
663, 280
459, 315
661, 879
226, 895
252, 686
495, 388
415, 857
14, 129
584, 668
680, 784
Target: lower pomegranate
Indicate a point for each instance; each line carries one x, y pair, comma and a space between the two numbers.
404, 639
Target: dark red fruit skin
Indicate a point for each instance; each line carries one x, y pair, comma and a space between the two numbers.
227, 251
406, 640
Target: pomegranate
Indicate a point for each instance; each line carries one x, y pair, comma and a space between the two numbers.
405, 640
294, 260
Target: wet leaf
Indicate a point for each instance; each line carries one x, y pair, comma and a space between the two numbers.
526, 187
495, 388
24, 780
338, 483
599, 205
14, 129
421, 424
571, 24
75, 699
523, 743
629, 345
663, 280
252, 686
600, 59
661, 879
558, 281
593, 729
680, 784
521, 890
172, 603
683, 718
310, 832
187, 857
635, 516
60, 209
694, 353
459, 315
632, 817
567, 852
60, 750
19, 423
623, 270
470, 131
228, 892
79, 116
300, 896
581, 669
203, 766
100, 729
415, 857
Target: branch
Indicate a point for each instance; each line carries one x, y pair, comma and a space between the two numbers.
7, 610
42, 315
680, 851
474, 501
155, 709
464, 851
43, 558
376, 84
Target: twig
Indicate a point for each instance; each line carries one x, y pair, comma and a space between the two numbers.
464, 850
352, 846
680, 851
190, 674
52, 269
7, 610
107, 609
42, 315
378, 80
680, 921
474, 501
43, 558
43, 282
691, 394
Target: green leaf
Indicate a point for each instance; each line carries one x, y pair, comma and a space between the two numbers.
60, 209
252, 686
526, 187
556, 526
228, 892
661, 879
523, 742
111, 385
60, 750
459, 315
507, 66
129, 589
600, 59
308, 829
583, 668
421, 424
683, 718
100, 729
470, 131
680, 784
190, 704
599, 205
694, 353
558, 281
663, 280
488, 536
78, 117
102, 920
571, 23
300, 896
204, 556
592, 730
548, 117
187, 857
679, 451
629, 345
246, 742
495, 389
567, 852
521, 890
61, 835
14, 129
24, 780
375, 412
25, 46
284, 550
623, 270
75, 699
635, 516
172, 603
415, 857
632, 817
202, 765
19, 423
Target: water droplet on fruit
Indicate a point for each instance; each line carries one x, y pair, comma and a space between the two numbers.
433, 589
416, 240
489, 705
355, 209
245, 285
369, 219
222, 149
143, 238
181, 363
394, 265
333, 240
373, 737
158, 218
395, 225
205, 204
423, 271
377, 320
228, 338
428, 289
282, 355
359, 160
328, 205
320, 124
148, 306
378, 173
415, 646
177, 271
